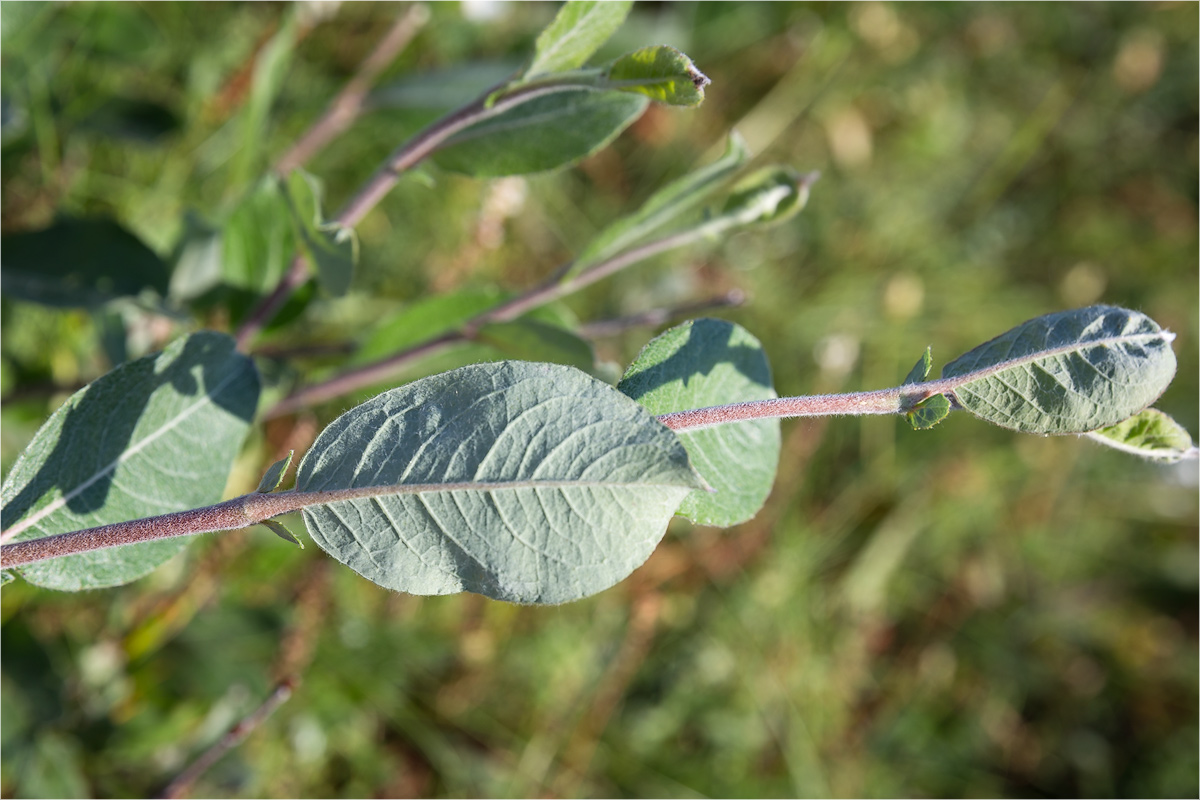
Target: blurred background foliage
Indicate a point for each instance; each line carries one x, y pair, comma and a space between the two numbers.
964, 611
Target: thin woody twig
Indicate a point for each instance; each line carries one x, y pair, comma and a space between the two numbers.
182, 783
348, 104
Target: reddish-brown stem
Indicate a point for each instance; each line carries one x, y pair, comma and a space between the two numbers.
184, 780
348, 104
404, 158
545, 292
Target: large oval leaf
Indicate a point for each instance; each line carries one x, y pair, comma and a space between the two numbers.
711, 362
542, 134
153, 436
532, 483
1070, 372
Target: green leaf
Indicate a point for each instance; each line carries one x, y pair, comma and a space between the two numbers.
661, 73
331, 248
258, 239
929, 412
532, 483
197, 259
664, 207
710, 362
274, 474
543, 134
79, 262
920, 370
579, 29
281, 530
270, 68
425, 319
6, 577
767, 196
533, 340
153, 436
1150, 434
1070, 372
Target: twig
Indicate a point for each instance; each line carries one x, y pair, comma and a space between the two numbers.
348, 104
657, 316
403, 158
183, 782
541, 294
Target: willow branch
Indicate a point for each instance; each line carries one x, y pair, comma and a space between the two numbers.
349, 102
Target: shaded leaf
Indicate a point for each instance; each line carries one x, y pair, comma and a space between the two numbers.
79, 262
258, 239
710, 362
661, 73
1070, 372
545, 133
769, 195
6, 577
197, 259
153, 436
274, 474
136, 120
578, 30
1149, 434
664, 207
533, 483
332, 248
533, 340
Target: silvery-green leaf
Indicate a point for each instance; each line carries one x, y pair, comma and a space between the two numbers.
532, 483
661, 73
274, 474
710, 362
543, 134
6, 577
578, 30
1150, 434
332, 248
665, 207
1069, 372
769, 195
153, 436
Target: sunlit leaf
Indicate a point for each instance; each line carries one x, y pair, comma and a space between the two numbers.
661, 73
532, 483
153, 436
274, 474
710, 362
929, 412
920, 370
1150, 434
1070, 372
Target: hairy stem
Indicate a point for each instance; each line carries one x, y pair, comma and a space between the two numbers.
251, 509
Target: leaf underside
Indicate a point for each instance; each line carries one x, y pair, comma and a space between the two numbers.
1150, 434
153, 436
1070, 372
563, 486
710, 362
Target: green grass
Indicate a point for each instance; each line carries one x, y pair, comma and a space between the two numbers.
963, 611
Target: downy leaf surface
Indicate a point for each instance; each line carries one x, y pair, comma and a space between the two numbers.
153, 436
1069, 372
79, 262
711, 362
578, 30
543, 134
532, 483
